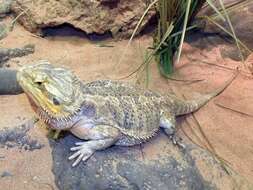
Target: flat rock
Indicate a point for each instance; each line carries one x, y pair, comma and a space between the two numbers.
238, 101
93, 16
212, 36
155, 165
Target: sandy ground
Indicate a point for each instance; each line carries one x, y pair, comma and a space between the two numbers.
226, 120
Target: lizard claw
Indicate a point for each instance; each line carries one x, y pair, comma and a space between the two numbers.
83, 152
177, 141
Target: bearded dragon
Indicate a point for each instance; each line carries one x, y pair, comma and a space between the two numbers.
104, 112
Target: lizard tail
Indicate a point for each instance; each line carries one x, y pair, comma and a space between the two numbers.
188, 106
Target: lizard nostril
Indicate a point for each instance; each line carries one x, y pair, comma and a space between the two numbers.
39, 83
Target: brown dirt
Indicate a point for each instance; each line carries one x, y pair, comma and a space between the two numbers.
226, 120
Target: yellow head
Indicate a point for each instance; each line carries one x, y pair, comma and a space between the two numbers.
54, 90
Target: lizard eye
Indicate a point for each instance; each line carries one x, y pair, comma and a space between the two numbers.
55, 101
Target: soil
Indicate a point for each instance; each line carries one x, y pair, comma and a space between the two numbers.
226, 120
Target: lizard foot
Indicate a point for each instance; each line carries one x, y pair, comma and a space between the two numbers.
177, 141
83, 152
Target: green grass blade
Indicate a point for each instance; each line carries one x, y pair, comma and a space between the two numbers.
141, 20
148, 73
234, 6
184, 29
227, 32
210, 3
151, 55
232, 29
180, 32
135, 30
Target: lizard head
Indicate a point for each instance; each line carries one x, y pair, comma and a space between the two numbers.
54, 90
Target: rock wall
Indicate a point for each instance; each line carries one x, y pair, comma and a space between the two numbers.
119, 17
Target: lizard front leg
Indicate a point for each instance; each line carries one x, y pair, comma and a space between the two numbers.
100, 137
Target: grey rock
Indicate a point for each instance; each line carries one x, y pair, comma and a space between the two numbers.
5, 7
211, 36
8, 53
91, 16
242, 23
18, 137
157, 165
6, 174
3, 30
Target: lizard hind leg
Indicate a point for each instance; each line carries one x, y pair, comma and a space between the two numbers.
168, 123
100, 137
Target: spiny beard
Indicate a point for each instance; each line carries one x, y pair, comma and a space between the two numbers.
63, 122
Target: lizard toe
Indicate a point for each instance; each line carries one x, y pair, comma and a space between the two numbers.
83, 153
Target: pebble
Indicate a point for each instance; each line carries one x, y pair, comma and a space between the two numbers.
6, 174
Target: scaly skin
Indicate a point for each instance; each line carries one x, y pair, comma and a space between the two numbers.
103, 112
